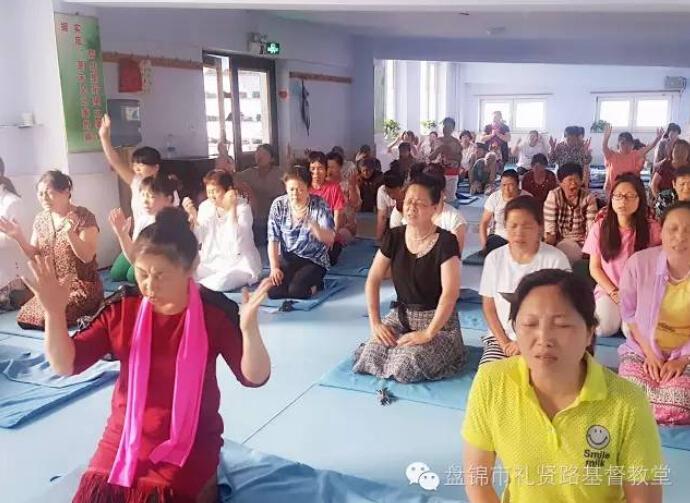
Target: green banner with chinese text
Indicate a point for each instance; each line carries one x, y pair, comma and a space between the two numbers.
81, 79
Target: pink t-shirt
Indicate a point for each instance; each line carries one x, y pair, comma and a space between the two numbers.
614, 268
332, 194
617, 164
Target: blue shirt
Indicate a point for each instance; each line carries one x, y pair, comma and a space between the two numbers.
294, 236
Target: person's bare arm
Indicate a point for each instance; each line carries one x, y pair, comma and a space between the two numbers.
478, 468
484, 227
339, 219
654, 186
377, 273
381, 222
84, 243
598, 274
12, 229
642, 493
645, 150
605, 141
459, 234
122, 168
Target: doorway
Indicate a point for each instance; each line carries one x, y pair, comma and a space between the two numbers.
240, 96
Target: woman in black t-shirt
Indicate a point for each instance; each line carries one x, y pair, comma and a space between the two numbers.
420, 337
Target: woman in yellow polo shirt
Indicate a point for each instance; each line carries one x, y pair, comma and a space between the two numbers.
565, 428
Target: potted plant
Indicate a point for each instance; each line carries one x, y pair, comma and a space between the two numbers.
391, 128
428, 126
598, 126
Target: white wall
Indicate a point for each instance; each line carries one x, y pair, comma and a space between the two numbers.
570, 92
175, 105
618, 52
29, 82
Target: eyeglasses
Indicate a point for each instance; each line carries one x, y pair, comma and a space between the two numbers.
624, 197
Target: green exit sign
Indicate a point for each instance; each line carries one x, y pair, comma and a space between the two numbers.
272, 48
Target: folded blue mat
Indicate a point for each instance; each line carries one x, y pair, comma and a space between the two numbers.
613, 341
249, 476
464, 200
108, 284
450, 393
9, 327
331, 287
355, 259
29, 387
472, 316
474, 259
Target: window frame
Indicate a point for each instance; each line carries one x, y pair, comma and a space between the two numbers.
633, 99
513, 100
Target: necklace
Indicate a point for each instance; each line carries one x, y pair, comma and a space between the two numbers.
675, 280
423, 238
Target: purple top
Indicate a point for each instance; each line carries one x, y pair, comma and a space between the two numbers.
642, 290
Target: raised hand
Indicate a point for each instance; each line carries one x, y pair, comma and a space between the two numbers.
659, 133
251, 303
120, 224
588, 144
230, 199
71, 224
552, 142
104, 128
11, 228
608, 129
44, 283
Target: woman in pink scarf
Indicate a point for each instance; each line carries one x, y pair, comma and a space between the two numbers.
654, 302
163, 438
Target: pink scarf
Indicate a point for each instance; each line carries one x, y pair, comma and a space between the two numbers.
190, 368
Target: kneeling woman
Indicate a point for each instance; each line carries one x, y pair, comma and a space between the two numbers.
67, 237
420, 338
655, 301
163, 438
300, 233
565, 428
223, 225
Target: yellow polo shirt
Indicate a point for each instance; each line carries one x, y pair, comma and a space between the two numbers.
673, 325
607, 436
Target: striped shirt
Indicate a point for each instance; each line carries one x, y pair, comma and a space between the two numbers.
295, 236
568, 221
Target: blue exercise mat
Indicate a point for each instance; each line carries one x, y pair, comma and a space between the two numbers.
469, 310
355, 259
472, 316
29, 387
450, 393
463, 200
474, 259
331, 287
613, 342
108, 284
249, 476
9, 327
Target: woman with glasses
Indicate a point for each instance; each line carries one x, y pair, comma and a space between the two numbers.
420, 338
625, 229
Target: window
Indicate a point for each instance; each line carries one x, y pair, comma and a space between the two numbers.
521, 114
637, 113
389, 82
428, 95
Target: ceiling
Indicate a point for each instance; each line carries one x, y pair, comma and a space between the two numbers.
615, 20
508, 25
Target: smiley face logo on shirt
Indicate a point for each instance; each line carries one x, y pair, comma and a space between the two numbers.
598, 437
